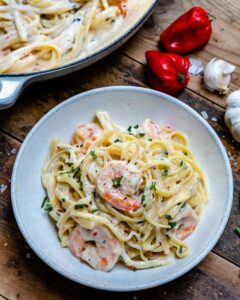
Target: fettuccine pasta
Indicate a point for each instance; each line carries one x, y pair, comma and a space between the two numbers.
39, 35
124, 195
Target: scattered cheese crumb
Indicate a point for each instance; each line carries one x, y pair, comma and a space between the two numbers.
135, 298
204, 115
28, 255
214, 119
3, 188
14, 151
5, 244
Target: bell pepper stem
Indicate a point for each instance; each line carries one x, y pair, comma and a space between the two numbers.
180, 77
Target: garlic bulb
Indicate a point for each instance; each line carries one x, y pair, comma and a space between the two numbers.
232, 115
217, 75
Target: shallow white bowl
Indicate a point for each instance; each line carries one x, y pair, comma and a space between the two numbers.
126, 105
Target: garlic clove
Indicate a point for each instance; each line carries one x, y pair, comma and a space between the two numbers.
217, 75
233, 99
228, 68
232, 115
236, 132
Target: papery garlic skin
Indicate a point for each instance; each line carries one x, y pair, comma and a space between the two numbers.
196, 66
217, 75
232, 115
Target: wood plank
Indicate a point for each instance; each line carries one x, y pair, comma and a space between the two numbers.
115, 70
32, 279
223, 44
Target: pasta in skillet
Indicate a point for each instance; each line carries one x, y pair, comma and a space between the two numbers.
39, 35
129, 196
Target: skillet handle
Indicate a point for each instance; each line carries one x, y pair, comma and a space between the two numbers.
10, 89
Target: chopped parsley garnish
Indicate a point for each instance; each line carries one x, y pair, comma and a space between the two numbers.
150, 140
44, 201
117, 141
94, 210
80, 206
183, 204
69, 164
169, 217
48, 207
93, 154
80, 185
134, 269
152, 186
136, 126
143, 201
75, 171
185, 153
129, 128
46, 204
81, 145
237, 230
165, 172
180, 249
63, 200
117, 181
172, 224
141, 134
181, 163
94, 194
135, 238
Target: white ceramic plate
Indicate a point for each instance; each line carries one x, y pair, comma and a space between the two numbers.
126, 105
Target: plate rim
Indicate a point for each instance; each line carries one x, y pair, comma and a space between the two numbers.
122, 287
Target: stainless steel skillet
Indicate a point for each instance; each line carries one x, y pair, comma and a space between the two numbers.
12, 85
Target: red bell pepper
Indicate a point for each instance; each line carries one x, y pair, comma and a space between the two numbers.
167, 72
189, 32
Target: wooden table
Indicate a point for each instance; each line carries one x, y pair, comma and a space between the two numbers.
22, 274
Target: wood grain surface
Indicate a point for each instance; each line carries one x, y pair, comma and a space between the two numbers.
22, 274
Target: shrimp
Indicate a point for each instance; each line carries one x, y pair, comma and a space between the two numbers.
186, 222
121, 4
155, 131
117, 182
98, 247
151, 128
86, 134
